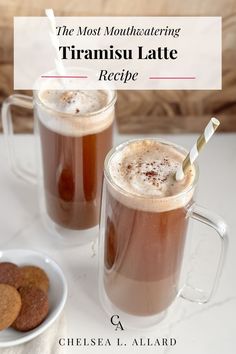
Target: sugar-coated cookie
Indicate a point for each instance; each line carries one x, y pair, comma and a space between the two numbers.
35, 276
34, 308
10, 274
10, 305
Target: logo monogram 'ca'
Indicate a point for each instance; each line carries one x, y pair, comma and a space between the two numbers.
116, 322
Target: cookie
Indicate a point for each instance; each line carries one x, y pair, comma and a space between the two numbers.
10, 274
34, 308
10, 305
35, 276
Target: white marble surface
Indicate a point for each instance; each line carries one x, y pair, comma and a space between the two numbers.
198, 329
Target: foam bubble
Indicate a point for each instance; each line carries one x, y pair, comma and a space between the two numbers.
146, 169
75, 113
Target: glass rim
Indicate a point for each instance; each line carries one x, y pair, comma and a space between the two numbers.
121, 190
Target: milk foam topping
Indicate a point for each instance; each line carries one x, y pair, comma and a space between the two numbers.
75, 112
146, 170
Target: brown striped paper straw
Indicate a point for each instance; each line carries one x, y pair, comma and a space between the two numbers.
197, 147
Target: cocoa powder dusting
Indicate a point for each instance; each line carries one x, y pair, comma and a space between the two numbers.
151, 171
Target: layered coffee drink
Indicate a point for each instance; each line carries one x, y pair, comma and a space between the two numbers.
145, 225
76, 133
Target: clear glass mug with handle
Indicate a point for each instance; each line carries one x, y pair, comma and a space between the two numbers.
71, 148
141, 246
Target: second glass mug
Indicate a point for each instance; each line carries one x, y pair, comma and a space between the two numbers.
141, 251
71, 150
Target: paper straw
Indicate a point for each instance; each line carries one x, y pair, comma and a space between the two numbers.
55, 42
197, 147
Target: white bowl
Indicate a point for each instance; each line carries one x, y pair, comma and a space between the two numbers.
57, 292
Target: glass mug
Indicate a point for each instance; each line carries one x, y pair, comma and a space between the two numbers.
71, 152
141, 251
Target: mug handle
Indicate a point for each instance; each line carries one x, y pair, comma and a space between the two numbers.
218, 224
17, 168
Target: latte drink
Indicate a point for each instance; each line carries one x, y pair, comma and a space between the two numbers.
145, 225
76, 133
